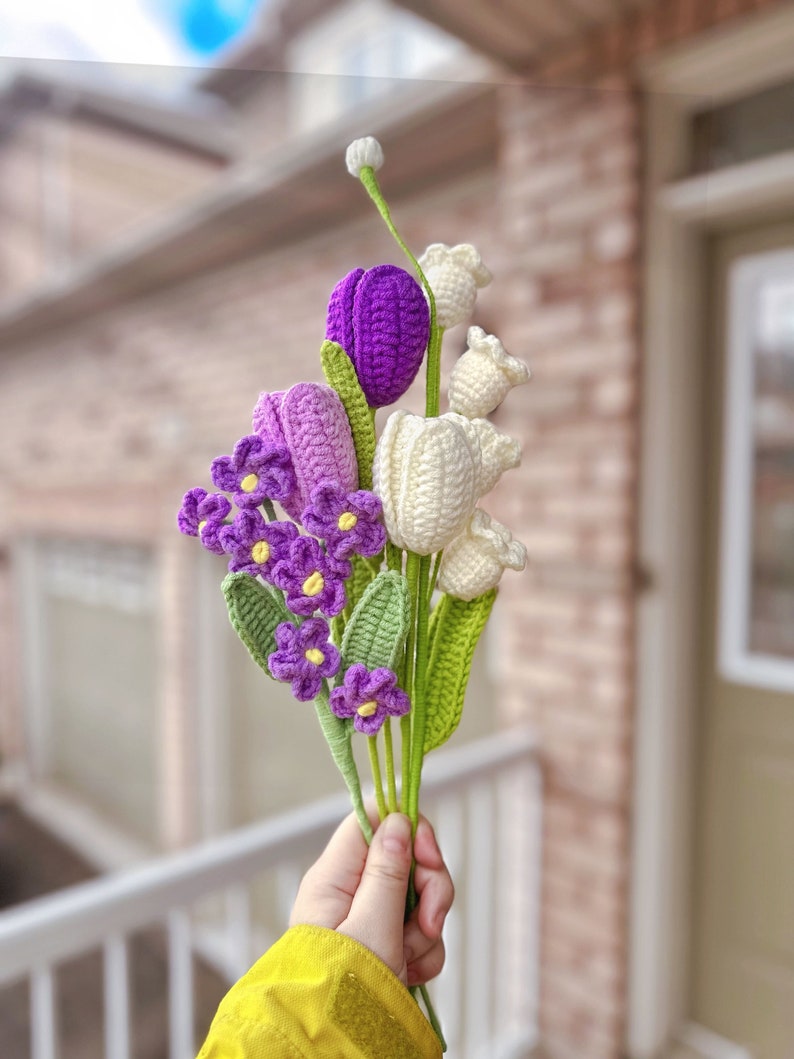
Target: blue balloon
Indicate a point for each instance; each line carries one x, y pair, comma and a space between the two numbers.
208, 25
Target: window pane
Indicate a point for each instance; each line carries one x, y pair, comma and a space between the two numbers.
771, 618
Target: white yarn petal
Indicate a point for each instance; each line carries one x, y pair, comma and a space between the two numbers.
365, 151
475, 560
484, 375
427, 473
498, 451
454, 274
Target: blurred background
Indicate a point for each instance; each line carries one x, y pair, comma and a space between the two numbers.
618, 804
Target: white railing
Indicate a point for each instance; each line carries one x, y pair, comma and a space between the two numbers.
485, 799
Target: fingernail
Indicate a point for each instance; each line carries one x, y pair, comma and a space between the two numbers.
396, 833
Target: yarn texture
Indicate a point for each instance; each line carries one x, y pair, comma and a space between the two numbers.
455, 274
457, 628
381, 320
484, 375
310, 420
476, 559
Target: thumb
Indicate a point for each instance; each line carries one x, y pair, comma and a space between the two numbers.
377, 912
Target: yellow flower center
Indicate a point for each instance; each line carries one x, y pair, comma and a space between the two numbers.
314, 655
260, 552
346, 521
366, 709
201, 525
249, 483
314, 584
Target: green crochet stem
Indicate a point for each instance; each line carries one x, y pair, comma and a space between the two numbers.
408, 722
432, 1018
432, 395
374, 763
270, 511
419, 699
391, 779
338, 735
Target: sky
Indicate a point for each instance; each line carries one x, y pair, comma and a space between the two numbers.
161, 32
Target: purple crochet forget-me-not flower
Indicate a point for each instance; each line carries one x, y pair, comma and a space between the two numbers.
311, 580
369, 697
348, 522
305, 655
202, 515
257, 470
255, 545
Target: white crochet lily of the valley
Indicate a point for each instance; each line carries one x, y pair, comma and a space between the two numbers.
455, 274
429, 474
475, 560
484, 375
366, 151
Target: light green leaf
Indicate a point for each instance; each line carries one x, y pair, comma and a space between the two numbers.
341, 375
255, 610
456, 625
376, 632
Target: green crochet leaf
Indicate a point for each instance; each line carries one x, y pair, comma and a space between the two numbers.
254, 610
376, 632
341, 375
456, 625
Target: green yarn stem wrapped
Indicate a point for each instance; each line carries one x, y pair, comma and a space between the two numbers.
255, 610
341, 375
457, 625
338, 734
376, 632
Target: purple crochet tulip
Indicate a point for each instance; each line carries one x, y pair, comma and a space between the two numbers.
369, 697
305, 655
310, 580
382, 321
348, 522
256, 545
202, 515
258, 470
310, 420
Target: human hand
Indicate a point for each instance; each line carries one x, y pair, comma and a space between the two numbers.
361, 892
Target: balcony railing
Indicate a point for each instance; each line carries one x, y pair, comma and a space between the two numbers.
485, 799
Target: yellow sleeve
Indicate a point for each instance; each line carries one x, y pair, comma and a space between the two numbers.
317, 993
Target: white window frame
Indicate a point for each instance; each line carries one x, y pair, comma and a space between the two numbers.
736, 661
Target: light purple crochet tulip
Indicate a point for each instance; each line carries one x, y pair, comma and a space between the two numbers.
382, 321
311, 421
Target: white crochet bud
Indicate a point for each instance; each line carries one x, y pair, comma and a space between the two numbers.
454, 274
476, 559
484, 375
427, 473
363, 152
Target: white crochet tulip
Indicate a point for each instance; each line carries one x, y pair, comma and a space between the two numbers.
484, 375
363, 152
476, 559
454, 274
427, 473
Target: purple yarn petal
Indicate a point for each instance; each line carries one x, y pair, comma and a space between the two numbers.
339, 324
317, 432
382, 320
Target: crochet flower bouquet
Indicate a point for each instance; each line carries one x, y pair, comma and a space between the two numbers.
370, 596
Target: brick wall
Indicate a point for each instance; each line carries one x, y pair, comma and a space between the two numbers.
569, 213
